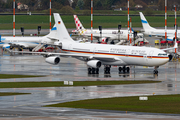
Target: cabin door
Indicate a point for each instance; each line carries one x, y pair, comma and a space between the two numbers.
127, 52
150, 54
94, 51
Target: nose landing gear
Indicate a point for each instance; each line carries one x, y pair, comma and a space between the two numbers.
155, 69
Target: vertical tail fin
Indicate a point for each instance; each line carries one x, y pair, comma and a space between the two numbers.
145, 23
62, 32
53, 33
79, 26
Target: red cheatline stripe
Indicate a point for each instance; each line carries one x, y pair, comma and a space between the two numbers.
138, 56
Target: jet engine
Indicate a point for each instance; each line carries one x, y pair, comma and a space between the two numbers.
53, 60
94, 63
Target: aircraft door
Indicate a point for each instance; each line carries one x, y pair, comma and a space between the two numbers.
150, 54
94, 51
127, 52
145, 59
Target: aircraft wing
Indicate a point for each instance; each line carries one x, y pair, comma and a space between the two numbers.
19, 44
90, 56
53, 38
170, 36
171, 48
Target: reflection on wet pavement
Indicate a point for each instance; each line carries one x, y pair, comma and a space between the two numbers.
28, 106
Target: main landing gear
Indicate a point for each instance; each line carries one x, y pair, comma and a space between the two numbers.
124, 69
93, 70
107, 69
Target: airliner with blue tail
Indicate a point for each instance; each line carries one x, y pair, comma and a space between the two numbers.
150, 31
28, 42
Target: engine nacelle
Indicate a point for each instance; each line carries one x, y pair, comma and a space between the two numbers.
94, 63
53, 60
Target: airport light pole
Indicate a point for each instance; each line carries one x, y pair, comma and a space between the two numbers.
100, 29
22, 30
175, 30
91, 21
39, 29
130, 31
166, 20
128, 20
13, 18
50, 16
119, 28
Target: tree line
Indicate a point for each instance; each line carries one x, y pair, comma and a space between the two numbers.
86, 4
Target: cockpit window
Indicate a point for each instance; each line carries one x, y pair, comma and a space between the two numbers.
162, 54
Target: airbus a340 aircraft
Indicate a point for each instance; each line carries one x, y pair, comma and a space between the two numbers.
96, 55
148, 30
28, 42
108, 34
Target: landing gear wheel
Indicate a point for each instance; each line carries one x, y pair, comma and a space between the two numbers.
93, 70
89, 70
128, 69
120, 68
107, 69
124, 69
97, 70
155, 72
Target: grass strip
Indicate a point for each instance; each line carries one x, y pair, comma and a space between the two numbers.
154, 104
7, 76
61, 83
11, 93
31, 22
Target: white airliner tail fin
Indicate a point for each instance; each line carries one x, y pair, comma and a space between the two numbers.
53, 33
62, 32
78, 23
145, 23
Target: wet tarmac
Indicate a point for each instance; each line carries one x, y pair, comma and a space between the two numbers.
30, 106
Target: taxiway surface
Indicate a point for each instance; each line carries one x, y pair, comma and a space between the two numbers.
70, 69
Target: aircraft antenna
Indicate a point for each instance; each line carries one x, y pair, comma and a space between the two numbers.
91, 21
13, 18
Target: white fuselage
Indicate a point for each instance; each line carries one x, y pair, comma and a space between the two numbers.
28, 42
112, 34
119, 55
161, 32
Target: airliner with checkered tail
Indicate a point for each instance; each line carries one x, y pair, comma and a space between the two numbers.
151, 31
96, 55
108, 34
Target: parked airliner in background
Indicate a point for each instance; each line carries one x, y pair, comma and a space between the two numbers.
108, 34
28, 42
96, 55
148, 30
